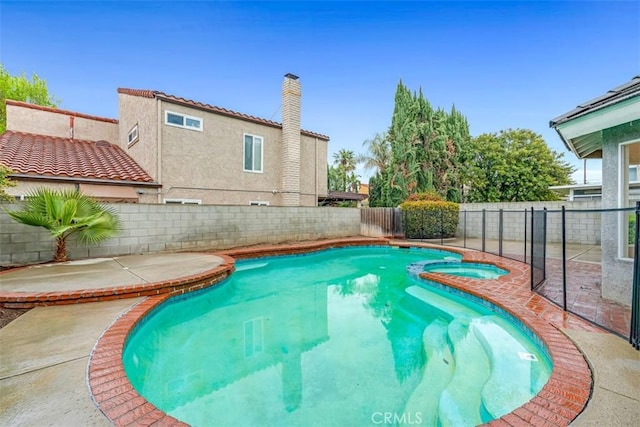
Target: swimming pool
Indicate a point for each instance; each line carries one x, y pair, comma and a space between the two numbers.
342, 337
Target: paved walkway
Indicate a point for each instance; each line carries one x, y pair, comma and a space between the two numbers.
44, 353
584, 280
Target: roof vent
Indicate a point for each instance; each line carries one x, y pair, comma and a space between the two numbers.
291, 76
102, 143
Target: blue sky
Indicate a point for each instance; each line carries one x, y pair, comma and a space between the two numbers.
504, 64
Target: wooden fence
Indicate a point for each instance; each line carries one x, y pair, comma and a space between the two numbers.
381, 222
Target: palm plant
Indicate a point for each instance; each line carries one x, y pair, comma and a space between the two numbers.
66, 213
346, 162
379, 155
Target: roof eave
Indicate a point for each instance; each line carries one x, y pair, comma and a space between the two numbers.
60, 178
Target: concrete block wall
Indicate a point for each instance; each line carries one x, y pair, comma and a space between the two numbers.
151, 228
581, 227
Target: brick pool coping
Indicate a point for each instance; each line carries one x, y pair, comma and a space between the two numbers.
559, 402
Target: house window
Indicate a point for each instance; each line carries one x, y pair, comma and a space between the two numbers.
252, 153
182, 201
132, 136
182, 121
629, 156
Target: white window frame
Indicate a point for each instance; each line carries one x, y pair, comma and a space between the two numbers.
182, 201
133, 131
258, 203
185, 117
623, 200
244, 136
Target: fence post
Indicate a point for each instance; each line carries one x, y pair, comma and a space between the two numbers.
464, 244
564, 261
544, 245
484, 226
500, 217
634, 330
532, 243
525, 236
441, 227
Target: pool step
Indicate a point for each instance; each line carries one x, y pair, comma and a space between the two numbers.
508, 369
438, 371
441, 302
461, 401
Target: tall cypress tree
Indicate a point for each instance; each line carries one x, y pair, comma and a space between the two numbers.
427, 149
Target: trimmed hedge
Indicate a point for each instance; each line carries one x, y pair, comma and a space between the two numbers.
430, 219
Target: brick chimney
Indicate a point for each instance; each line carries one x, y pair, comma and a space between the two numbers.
291, 95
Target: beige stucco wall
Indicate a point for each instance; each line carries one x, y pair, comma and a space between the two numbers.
24, 119
143, 111
208, 165
313, 170
25, 187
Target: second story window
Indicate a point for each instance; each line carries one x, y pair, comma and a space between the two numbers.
182, 120
132, 136
252, 153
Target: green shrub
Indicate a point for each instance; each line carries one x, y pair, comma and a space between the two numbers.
632, 229
425, 219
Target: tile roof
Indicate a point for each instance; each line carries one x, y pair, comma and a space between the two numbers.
211, 108
613, 96
59, 111
50, 156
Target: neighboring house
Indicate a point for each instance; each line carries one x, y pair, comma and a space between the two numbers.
190, 152
608, 128
578, 192
206, 154
67, 150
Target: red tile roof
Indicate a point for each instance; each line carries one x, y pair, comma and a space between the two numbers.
211, 108
50, 156
59, 111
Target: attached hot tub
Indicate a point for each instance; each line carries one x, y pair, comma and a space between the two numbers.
466, 269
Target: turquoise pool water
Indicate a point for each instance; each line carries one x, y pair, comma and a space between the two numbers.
343, 337
467, 269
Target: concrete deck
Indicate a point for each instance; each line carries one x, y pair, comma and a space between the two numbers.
45, 352
106, 272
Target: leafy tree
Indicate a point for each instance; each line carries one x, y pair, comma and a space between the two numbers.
345, 160
334, 178
425, 151
21, 88
513, 166
5, 181
66, 213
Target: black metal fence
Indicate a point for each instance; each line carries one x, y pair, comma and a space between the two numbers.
563, 248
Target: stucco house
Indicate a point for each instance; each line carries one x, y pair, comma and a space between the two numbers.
206, 154
198, 153
608, 128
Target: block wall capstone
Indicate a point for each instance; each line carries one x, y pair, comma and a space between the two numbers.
149, 228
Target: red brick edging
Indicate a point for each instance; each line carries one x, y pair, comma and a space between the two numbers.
559, 402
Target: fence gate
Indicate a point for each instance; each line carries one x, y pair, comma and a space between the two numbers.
538, 246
